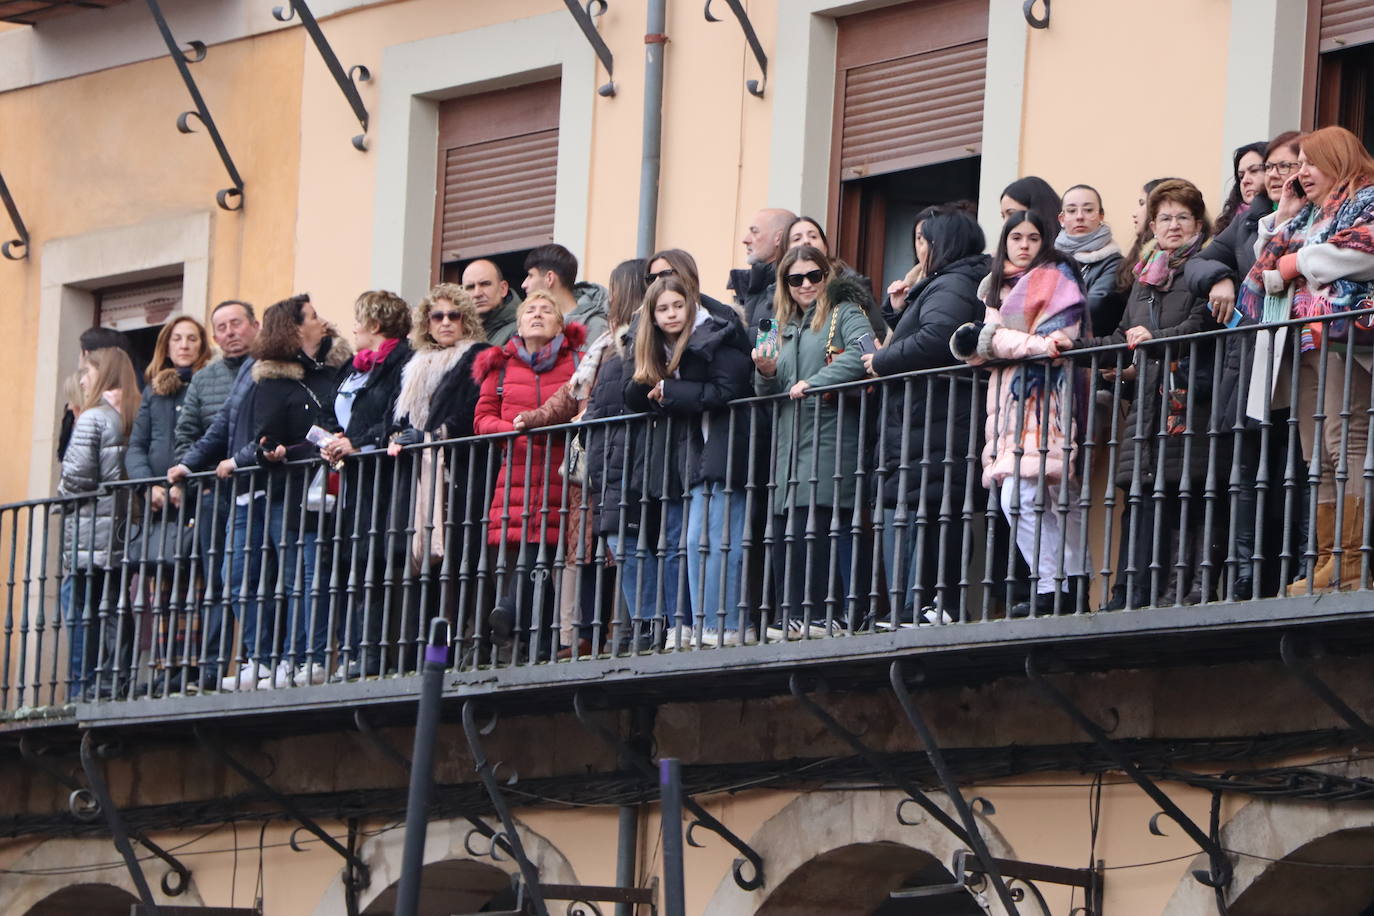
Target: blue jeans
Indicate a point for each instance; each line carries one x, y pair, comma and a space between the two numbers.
715, 597
305, 637
640, 573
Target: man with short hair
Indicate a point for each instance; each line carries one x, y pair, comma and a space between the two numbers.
496, 302
764, 245
234, 327
553, 268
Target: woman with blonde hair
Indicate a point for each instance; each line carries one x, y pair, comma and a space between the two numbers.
93, 529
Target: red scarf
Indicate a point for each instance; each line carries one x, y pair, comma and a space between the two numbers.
367, 360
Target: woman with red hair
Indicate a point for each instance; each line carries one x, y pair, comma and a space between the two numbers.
1316, 260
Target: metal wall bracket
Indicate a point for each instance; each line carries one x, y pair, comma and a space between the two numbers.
879, 765
965, 866
487, 773
331, 62
987, 864
392, 753
8, 248
584, 17
230, 198
357, 876
1218, 875
748, 881
757, 86
1295, 652
1034, 21
175, 881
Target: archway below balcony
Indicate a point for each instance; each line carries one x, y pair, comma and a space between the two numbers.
454, 878
1301, 857
842, 852
84, 900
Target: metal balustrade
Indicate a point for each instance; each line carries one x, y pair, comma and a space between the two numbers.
1142, 480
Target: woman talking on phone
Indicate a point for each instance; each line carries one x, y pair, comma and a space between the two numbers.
1317, 259
929, 458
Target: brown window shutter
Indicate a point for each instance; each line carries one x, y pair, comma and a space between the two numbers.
1345, 24
913, 111
497, 175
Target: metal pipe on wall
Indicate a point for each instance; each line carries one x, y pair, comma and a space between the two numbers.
654, 41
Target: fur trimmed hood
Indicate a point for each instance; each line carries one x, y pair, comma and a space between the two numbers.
338, 353
423, 375
167, 383
845, 288
491, 359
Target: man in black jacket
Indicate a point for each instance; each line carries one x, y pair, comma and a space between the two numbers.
764, 245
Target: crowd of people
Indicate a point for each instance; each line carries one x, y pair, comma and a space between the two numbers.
657, 465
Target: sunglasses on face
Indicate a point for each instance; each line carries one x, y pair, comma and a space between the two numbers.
665, 272
438, 317
811, 276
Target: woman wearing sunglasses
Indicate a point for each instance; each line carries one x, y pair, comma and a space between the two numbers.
816, 442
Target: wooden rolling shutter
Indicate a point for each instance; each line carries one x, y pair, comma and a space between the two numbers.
909, 91
1345, 24
498, 164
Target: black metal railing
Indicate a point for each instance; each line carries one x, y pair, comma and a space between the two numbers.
1220, 466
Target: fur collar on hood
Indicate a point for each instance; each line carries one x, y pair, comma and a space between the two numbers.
845, 288
336, 354
423, 375
492, 358
167, 383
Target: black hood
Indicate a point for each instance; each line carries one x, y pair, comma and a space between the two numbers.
973, 268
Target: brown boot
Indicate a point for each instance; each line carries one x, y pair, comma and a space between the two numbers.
1352, 539
1325, 564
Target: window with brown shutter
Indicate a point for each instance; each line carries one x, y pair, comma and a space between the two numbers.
497, 174
1341, 63
908, 128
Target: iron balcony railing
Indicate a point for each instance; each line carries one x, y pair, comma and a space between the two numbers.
1213, 467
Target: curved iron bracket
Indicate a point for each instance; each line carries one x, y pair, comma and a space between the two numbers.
1218, 874
1034, 21
584, 17
8, 248
1295, 652
344, 80
755, 87
748, 869
487, 773
95, 775
230, 198
897, 677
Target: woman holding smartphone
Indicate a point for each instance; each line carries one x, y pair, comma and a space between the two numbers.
1318, 259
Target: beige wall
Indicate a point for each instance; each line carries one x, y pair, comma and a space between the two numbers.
1118, 93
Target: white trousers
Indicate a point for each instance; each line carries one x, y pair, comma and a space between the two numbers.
1043, 534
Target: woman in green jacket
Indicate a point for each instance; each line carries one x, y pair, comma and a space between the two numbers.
816, 441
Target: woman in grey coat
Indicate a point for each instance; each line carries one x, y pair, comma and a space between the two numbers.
93, 528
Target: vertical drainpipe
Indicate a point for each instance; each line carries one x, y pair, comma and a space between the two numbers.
654, 40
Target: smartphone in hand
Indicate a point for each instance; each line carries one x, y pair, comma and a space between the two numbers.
767, 336
1297, 188
865, 344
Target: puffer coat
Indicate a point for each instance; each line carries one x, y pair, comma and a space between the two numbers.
152, 443
938, 433
821, 444
1166, 313
528, 494
93, 533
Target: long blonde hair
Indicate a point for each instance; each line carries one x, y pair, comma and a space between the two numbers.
651, 364
113, 372
784, 307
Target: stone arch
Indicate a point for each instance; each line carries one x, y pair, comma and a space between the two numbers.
85, 900
826, 829
445, 842
69, 854
1279, 835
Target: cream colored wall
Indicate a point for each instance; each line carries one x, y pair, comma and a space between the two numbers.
103, 151
1118, 93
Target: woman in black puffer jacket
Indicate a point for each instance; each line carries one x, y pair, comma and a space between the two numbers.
930, 422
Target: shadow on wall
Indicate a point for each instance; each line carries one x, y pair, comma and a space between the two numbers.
857, 880
85, 900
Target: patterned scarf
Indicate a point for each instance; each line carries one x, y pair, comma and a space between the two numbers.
543, 360
1044, 300
367, 360
1346, 220
1158, 267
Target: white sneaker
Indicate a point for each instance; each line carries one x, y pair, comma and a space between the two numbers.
745, 637
279, 678
709, 638
932, 617
794, 628
248, 675
309, 673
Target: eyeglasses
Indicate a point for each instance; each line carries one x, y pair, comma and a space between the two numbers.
1283, 168
665, 272
1254, 169
438, 317
811, 276
1180, 219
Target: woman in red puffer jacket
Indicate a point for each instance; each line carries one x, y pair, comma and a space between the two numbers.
524, 518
